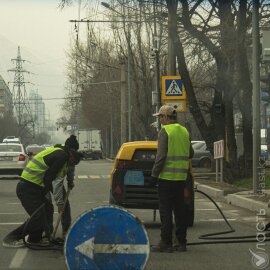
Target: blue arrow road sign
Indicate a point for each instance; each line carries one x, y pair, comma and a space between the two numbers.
107, 238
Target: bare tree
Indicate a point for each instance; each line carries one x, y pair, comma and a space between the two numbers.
221, 27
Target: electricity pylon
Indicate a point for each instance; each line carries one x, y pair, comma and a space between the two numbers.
20, 99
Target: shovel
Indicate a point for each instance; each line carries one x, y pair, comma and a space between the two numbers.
60, 215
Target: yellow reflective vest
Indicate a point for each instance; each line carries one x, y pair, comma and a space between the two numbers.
177, 160
36, 168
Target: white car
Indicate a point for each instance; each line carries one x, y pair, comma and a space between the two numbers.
13, 158
11, 139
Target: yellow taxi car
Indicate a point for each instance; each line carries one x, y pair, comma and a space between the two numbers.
130, 176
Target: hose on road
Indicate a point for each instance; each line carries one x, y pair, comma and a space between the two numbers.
214, 238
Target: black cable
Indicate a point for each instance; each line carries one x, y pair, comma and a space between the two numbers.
58, 245
208, 236
225, 240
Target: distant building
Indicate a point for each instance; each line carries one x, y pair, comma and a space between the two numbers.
37, 107
5, 98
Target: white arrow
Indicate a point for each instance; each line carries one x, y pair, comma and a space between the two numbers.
88, 248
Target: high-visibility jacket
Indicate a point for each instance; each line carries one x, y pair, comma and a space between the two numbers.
177, 160
36, 168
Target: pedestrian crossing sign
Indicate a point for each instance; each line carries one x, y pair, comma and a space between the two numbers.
172, 88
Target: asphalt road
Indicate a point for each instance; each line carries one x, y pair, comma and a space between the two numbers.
91, 190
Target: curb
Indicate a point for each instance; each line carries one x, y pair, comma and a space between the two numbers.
239, 200
235, 199
212, 192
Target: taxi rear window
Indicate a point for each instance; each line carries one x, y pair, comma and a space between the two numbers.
144, 155
10, 148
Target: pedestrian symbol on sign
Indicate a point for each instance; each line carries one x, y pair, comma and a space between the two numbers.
174, 88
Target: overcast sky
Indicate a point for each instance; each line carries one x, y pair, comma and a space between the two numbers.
39, 28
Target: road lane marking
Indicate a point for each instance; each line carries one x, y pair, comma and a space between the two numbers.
11, 223
231, 210
252, 219
218, 219
206, 209
82, 176
13, 203
235, 212
15, 213
18, 259
200, 200
94, 176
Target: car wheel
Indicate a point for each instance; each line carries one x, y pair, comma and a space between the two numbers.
205, 163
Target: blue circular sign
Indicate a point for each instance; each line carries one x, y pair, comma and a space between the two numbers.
107, 238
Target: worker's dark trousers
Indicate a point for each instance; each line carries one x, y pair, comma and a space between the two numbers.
32, 197
171, 201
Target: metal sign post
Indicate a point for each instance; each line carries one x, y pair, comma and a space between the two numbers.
107, 238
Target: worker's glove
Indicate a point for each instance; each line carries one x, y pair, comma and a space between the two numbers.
153, 181
70, 185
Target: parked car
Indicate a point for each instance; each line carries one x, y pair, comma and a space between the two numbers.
13, 158
202, 157
130, 176
32, 150
265, 157
11, 139
46, 146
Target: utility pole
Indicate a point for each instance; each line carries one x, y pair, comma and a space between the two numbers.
129, 82
172, 7
19, 96
256, 93
128, 37
157, 92
123, 104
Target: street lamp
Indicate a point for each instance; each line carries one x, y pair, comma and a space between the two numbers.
106, 5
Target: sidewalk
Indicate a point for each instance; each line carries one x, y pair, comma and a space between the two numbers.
234, 195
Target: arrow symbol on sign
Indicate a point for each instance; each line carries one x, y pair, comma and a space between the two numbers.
88, 248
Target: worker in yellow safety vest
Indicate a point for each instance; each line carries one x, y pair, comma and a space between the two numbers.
36, 181
170, 172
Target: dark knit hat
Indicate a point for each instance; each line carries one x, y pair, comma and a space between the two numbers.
72, 142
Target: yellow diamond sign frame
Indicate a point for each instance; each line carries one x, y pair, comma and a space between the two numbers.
172, 88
